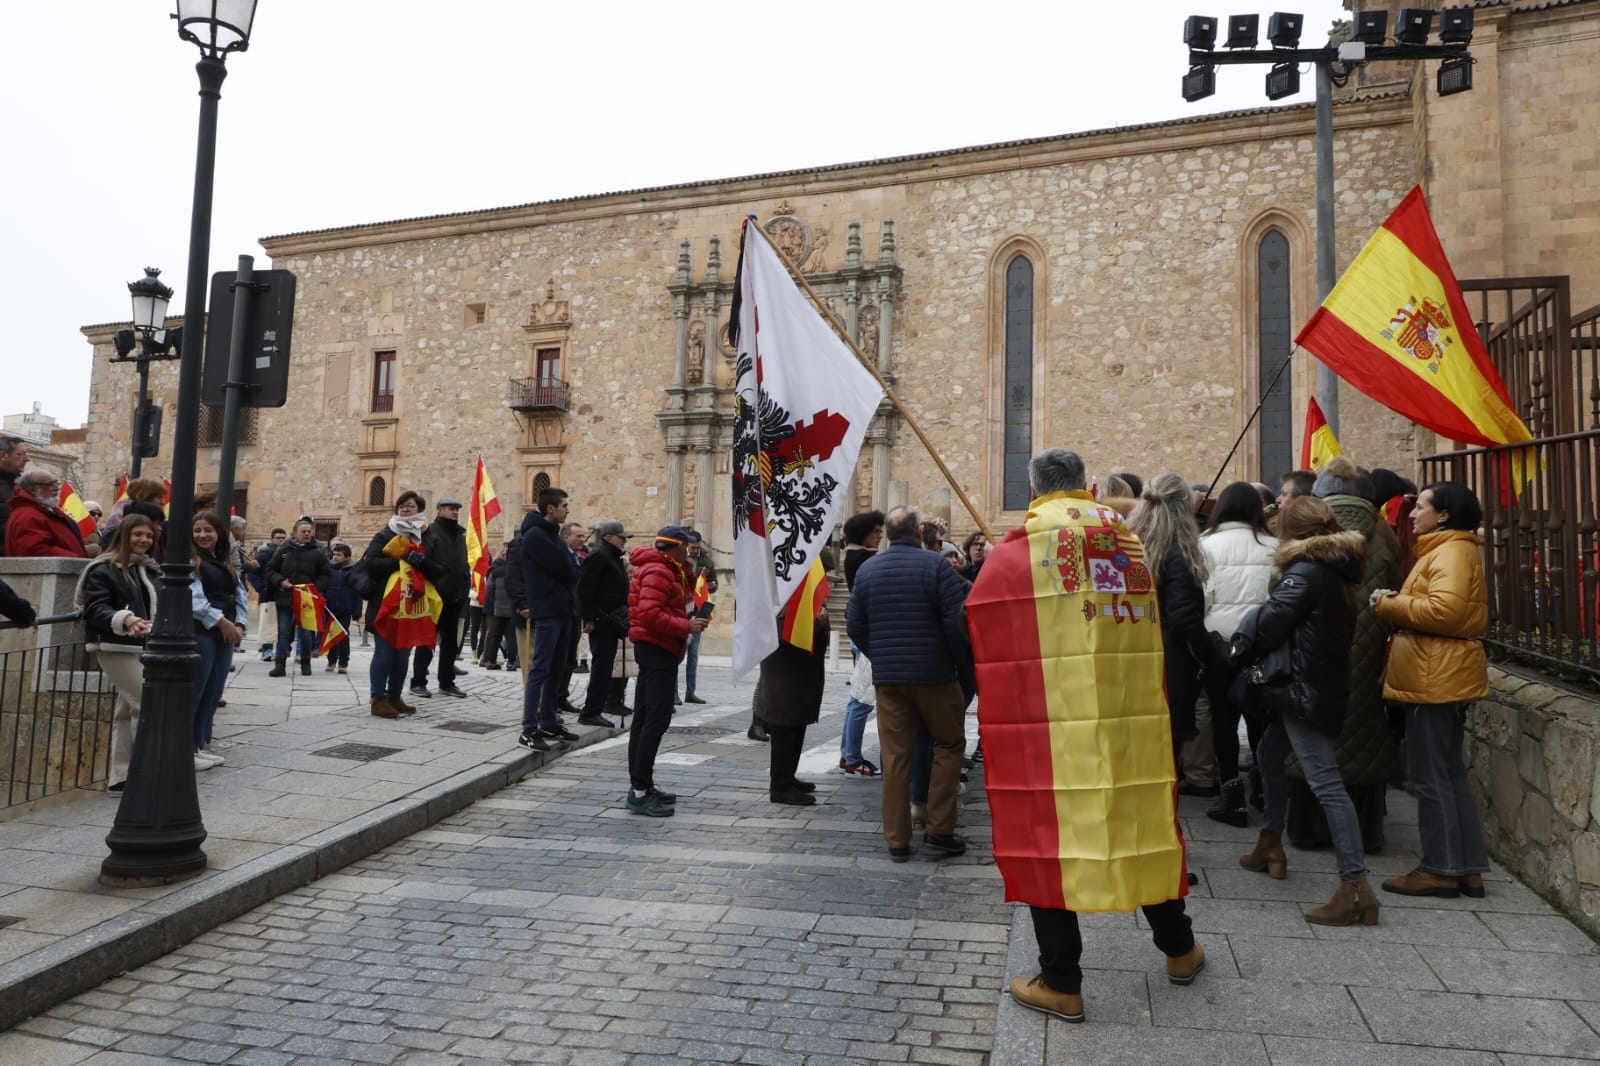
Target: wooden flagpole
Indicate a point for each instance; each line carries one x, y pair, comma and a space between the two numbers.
872, 369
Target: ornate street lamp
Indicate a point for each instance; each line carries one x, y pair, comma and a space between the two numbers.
150, 299
158, 832
153, 342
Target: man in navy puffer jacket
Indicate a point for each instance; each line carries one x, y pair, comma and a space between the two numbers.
906, 615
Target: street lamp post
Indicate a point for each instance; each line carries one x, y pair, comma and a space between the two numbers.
158, 832
1411, 32
150, 299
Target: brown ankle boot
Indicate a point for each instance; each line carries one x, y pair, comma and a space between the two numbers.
1268, 857
1353, 901
401, 705
382, 708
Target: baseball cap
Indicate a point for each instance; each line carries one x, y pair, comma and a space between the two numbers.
611, 529
449, 501
672, 535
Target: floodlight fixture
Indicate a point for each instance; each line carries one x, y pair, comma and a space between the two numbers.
1283, 80
1413, 25
1200, 32
1199, 83
1455, 25
1283, 29
1372, 27
1455, 76
1243, 31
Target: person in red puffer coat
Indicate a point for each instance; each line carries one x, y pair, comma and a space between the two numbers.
659, 626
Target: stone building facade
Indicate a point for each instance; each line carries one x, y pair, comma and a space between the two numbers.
1126, 292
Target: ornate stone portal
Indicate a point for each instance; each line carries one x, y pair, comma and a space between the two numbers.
698, 416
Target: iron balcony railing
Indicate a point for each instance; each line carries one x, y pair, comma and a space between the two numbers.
55, 718
537, 394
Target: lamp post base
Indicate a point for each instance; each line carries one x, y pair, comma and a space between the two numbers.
151, 860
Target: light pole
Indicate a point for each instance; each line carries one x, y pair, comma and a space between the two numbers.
158, 832
154, 343
1371, 30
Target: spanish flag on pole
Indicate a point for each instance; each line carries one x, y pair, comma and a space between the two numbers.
74, 509
484, 508
1319, 444
122, 490
800, 616
1397, 328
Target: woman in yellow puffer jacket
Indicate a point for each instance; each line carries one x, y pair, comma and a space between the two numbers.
1437, 667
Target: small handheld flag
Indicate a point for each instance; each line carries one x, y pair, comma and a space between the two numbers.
484, 508
74, 509
1319, 444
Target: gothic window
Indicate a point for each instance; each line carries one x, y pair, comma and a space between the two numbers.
1273, 343
1018, 402
377, 493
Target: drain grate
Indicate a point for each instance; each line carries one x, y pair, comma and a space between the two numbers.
461, 726
358, 752
6, 919
698, 731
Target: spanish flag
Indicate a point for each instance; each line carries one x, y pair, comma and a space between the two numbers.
702, 591
310, 608
1397, 328
1077, 741
74, 509
1319, 444
800, 616
166, 498
122, 490
484, 508
408, 612
333, 635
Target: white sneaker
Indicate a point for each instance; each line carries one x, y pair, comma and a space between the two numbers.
209, 756
201, 763
919, 813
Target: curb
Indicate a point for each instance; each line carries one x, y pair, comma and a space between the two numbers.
76, 964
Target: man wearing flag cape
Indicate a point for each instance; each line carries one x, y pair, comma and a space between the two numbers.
1076, 738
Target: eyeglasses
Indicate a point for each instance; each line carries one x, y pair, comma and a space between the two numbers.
96, 514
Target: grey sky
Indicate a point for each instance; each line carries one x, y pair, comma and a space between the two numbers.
348, 111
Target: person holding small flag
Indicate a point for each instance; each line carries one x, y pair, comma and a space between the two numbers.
298, 561
400, 615
344, 603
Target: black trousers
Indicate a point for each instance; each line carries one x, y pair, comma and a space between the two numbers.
602, 657
567, 660
787, 743
1060, 946
449, 644
499, 637
652, 712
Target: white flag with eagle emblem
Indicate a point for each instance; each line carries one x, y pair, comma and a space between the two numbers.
802, 402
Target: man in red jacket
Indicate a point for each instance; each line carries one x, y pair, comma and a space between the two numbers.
659, 626
38, 528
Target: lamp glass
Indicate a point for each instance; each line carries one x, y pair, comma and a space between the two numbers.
217, 26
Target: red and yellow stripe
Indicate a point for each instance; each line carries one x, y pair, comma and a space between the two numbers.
1077, 742
800, 616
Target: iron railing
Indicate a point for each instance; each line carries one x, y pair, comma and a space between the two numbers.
55, 714
537, 394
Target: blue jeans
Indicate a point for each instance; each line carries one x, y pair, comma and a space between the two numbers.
1321, 765
1447, 817
387, 675
304, 640
540, 700
690, 662
210, 677
855, 727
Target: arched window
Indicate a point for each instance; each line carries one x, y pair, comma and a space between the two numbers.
1273, 331
1018, 401
377, 493
541, 481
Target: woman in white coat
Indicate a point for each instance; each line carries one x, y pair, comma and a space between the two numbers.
1238, 548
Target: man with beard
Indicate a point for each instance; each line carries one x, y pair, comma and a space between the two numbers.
38, 528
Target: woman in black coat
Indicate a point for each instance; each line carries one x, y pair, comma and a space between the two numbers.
299, 560
117, 595
1298, 642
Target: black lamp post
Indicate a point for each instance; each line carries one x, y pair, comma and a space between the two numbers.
153, 342
158, 832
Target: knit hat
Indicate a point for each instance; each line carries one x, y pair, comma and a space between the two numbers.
1341, 477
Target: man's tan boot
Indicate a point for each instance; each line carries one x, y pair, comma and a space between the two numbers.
1036, 995
1268, 857
1420, 882
1185, 968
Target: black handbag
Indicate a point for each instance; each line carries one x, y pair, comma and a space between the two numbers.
1261, 687
360, 580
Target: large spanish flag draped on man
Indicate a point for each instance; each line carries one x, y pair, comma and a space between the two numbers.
484, 508
1077, 743
1397, 328
802, 401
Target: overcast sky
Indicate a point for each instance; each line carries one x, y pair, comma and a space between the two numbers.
352, 111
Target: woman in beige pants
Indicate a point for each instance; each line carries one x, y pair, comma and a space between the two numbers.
117, 595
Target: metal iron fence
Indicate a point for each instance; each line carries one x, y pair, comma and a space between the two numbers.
55, 715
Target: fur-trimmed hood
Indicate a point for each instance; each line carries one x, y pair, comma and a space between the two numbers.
1345, 552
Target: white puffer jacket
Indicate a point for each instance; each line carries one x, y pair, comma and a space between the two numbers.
1241, 574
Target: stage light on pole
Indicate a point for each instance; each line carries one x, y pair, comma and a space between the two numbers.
1283, 80
1413, 25
1372, 27
1243, 31
1283, 29
1200, 32
1199, 83
1455, 25
1455, 76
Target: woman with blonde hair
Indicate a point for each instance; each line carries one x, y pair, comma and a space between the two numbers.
1164, 522
1297, 645
117, 595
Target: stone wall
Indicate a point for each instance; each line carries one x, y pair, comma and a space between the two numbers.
1533, 756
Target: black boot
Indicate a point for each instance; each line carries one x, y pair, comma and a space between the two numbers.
758, 730
1229, 808
277, 668
305, 665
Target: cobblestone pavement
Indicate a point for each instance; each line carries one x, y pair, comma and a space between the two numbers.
546, 924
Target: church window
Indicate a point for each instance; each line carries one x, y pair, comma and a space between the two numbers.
1018, 402
1273, 330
